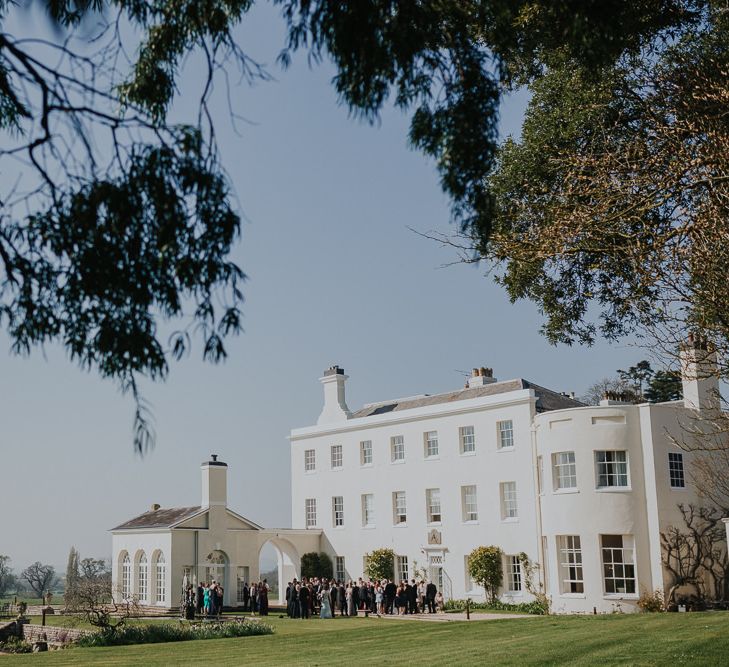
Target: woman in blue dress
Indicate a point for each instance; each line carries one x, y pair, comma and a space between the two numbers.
326, 603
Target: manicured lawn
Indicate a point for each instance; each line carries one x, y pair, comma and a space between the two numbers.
655, 639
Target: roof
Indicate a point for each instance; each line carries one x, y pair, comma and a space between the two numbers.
546, 398
161, 518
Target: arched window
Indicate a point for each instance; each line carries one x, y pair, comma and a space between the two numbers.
160, 578
126, 577
142, 578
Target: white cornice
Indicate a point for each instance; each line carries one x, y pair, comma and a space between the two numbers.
416, 414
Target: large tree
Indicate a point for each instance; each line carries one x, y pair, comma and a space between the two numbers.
124, 220
7, 578
41, 578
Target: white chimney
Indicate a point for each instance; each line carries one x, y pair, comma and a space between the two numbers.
335, 407
699, 374
480, 377
214, 482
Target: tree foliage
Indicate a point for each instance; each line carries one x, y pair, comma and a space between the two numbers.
380, 564
485, 565
611, 208
316, 564
73, 574
639, 383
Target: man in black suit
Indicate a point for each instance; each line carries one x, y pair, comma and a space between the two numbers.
304, 601
342, 597
430, 591
412, 596
390, 590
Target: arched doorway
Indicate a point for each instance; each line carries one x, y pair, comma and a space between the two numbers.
215, 567
287, 560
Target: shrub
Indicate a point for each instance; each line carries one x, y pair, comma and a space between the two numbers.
380, 564
168, 632
16, 645
485, 568
652, 601
535, 607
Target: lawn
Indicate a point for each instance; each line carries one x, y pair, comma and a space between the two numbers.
650, 639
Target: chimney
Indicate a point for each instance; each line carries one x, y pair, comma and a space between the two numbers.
699, 374
480, 377
335, 407
214, 482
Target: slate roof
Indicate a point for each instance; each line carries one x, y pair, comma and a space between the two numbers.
546, 398
161, 518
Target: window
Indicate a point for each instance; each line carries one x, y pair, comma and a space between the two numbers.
675, 470
506, 434
338, 510
365, 452
241, 581
310, 512
432, 501
401, 563
399, 507
570, 564
160, 578
397, 448
126, 577
470, 503
431, 444
468, 439
612, 469
336, 456
508, 500
514, 574
565, 470
368, 509
309, 460
340, 573
142, 578
618, 564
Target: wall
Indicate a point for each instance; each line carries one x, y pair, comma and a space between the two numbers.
33, 633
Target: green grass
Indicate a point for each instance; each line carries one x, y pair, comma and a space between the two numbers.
649, 639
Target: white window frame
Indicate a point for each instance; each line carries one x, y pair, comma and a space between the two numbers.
399, 508
612, 468
365, 453
340, 571
126, 577
617, 562
571, 573
243, 576
505, 431
432, 506
368, 510
514, 575
309, 460
564, 471
337, 457
430, 445
397, 449
143, 578
469, 503
676, 472
467, 440
338, 511
401, 568
160, 571
310, 512
509, 501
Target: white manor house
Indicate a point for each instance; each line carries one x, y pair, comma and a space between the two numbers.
584, 491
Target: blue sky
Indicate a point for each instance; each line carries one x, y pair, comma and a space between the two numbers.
335, 276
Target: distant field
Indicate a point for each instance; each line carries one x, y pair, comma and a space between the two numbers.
650, 639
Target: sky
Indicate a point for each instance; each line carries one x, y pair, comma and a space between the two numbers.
335, 276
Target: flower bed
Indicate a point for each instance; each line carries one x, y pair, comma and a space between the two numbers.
168, 632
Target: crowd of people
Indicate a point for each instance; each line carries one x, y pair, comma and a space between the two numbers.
207, 599
325, 597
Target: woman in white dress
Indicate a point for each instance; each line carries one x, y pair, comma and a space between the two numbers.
326, 603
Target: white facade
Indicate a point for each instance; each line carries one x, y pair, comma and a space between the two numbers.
583, 491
